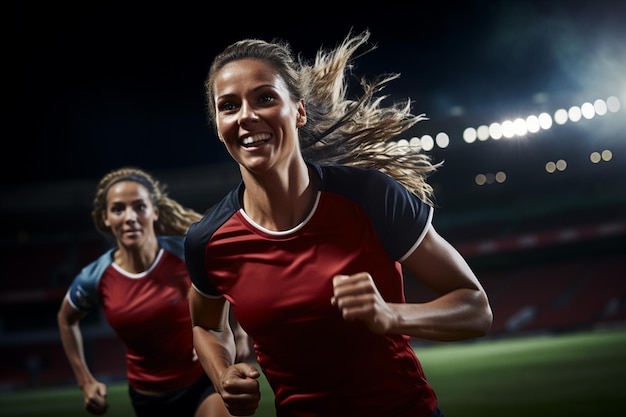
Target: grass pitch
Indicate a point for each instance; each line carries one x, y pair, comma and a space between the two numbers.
574, 375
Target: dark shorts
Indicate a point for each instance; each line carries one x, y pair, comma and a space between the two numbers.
181, 403
437, 413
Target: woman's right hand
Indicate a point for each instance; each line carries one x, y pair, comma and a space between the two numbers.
95, 397
239, 387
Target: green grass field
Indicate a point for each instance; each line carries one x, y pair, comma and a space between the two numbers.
581, 374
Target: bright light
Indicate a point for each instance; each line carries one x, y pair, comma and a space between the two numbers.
613, 104
508, 130
595, 157
495, 131
560, 116
600, 107
519, 126
427, 142
469, 135
442, 139
483, 132
574, 113
545, 121
588, 111
403, 146
415, 144
532, 123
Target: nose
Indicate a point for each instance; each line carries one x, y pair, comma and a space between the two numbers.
130, 215
247, 113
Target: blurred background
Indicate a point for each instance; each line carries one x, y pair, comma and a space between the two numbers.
525, 104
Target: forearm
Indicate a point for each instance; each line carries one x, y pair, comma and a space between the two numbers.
72, 342
215, 349
458, 315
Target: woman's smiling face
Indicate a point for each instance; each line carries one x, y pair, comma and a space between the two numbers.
255, 115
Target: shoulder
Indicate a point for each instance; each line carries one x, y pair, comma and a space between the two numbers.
200, 232
366, 186
399, 217
172, 244
346, 173
94, 270
352, 180
83, 292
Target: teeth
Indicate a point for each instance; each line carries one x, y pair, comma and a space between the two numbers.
255, 138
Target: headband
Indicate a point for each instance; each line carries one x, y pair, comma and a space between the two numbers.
132, 177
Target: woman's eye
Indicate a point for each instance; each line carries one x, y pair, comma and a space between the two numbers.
227, 106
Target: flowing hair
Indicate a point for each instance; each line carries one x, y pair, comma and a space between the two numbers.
339, 130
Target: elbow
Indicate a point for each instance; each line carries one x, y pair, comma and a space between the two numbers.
478, 317
485, 322
484, 317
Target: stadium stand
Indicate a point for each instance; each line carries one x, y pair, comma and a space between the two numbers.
552, 270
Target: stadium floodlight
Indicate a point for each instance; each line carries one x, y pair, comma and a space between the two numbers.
587, 110
403, 146
508, 129
483, 132
600, 107
442, 139
480, 179
574, 113
613, 104
519, 127
415, 144
545, 121
469, 135
532, 124
495, 131
560, 116
427, 142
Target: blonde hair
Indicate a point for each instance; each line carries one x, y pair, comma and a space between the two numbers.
174, 219
339, 130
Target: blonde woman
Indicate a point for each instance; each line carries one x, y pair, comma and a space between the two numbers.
309, 249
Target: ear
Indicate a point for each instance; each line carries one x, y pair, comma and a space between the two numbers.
105, 220
219, 136
301, 116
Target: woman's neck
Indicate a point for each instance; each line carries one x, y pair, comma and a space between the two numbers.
280, 200
137, 259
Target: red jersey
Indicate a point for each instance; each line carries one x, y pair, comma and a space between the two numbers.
149, 312
280, 287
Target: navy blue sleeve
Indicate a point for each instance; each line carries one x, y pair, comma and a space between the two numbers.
195, 245
400, 218
83, 291
197, 239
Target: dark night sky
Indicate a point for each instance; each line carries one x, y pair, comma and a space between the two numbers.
93, 86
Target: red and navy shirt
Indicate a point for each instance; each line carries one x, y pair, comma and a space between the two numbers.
149, 312
280, 287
